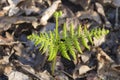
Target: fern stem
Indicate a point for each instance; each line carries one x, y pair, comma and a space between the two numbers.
56, 30
54, 60
53, 65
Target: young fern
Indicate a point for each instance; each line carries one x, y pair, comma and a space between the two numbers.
69, 43
50, 41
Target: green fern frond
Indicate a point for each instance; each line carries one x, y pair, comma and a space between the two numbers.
97, 32
64, 33
88, 35
71, 30
63, 50
79, 31
53, 52
77, 44
84, 42
70, 47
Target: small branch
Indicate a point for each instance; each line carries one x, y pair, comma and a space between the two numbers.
9, 43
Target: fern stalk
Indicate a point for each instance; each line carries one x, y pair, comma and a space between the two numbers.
56, 30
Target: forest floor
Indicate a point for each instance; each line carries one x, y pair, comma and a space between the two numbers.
20, 59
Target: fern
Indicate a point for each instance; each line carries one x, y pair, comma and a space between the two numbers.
69, 43
50, 41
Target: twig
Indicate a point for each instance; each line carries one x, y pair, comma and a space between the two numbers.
9, 43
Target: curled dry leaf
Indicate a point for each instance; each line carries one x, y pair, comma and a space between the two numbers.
103, 58
83, 69
5, 22
100, 10
80, 70
83, 3
49, 12
89, 14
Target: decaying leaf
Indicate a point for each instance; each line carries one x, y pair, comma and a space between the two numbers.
84, 3
103, 58
89, 14
80, 70
49, 12
6, 22
83, 69
100, 10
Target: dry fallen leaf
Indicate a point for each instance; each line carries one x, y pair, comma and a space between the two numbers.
100, 10
80, 70
6, 22
83, 69
89, 14
49, 12
103, 58
83, 3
